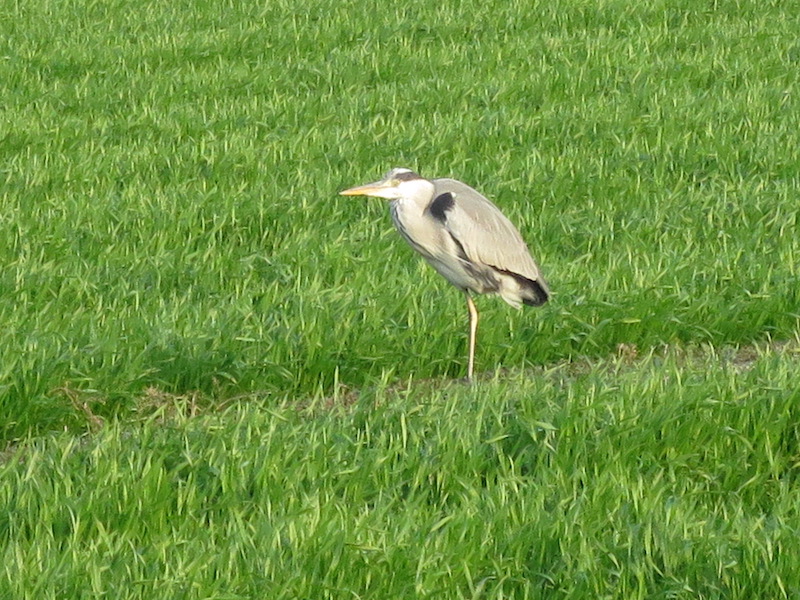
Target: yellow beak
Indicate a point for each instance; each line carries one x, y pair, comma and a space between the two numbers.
370, 189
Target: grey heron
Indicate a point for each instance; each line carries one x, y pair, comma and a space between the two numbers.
464, 236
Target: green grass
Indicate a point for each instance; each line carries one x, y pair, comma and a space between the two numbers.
171, 234
672, 477
169, 207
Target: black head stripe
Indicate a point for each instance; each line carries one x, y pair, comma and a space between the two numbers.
441, 205
406, 176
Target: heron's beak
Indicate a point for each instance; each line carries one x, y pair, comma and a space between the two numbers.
370, 189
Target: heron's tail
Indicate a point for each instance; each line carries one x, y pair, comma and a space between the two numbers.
535, 293
517, 289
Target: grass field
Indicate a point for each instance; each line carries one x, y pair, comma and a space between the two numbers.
220, 380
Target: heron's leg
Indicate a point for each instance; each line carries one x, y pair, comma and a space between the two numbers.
473, 330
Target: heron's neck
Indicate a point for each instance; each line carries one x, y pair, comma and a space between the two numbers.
418, 192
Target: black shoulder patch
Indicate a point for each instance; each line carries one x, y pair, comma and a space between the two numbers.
440, 205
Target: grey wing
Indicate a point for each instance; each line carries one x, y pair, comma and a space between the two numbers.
486, 235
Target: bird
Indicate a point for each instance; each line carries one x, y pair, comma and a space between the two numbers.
464, 237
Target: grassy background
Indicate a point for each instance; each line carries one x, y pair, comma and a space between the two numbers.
170, 234
675, 477
170, 215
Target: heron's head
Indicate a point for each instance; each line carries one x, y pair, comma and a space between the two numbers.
398, 183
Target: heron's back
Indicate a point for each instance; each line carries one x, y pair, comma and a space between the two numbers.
490, 240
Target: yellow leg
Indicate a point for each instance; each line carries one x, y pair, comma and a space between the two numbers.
473, 330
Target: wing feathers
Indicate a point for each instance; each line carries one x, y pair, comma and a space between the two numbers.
487, 236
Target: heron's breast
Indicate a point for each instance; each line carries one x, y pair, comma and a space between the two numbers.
416, 227
430, 238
